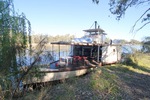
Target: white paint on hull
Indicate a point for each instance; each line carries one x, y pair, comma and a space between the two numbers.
53, 76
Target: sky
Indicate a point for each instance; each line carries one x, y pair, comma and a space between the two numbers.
58, 17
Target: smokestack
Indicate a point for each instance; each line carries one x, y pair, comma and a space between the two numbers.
95, 24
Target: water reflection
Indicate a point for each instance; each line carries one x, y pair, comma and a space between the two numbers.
44, 58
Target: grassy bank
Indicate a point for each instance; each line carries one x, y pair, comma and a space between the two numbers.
119, 81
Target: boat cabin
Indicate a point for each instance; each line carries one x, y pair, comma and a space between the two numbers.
91, 47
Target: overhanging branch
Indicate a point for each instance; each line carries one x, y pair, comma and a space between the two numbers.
142, 26
132, 29
142, 2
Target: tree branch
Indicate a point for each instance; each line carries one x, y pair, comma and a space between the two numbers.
132, 29
96, 1
142, 26
29, 68
5, 7
145, 1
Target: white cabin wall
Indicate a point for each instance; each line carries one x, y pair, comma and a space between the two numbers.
110, 54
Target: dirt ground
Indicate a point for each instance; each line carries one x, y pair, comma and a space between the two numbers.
135, 86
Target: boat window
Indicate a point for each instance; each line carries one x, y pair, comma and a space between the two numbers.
94, 33
86, 52
77, 51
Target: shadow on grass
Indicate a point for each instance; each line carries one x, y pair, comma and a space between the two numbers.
134, 85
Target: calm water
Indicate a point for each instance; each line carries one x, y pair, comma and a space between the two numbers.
45, 58
131, 48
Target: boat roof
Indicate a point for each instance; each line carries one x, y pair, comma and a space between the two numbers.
72, 43
94, 30
61, 43
82, 44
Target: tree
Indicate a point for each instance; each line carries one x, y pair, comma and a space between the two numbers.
133, 41
146, 45
119, 7
14, 34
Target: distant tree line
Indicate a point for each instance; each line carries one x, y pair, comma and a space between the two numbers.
146, 45
123, 41
49, 38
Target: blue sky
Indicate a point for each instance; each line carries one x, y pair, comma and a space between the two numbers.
55, 17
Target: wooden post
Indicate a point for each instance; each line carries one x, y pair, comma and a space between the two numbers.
98, 54
95, 26
59, 51
52, 51
98, 46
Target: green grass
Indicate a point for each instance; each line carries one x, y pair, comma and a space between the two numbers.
139, 63
105, 84
142, 60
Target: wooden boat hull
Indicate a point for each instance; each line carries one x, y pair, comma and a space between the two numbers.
54, 74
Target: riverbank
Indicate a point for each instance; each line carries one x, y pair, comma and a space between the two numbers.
119, 81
